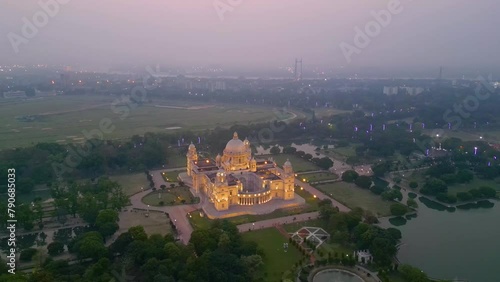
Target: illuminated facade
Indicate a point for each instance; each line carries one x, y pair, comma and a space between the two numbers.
237, 178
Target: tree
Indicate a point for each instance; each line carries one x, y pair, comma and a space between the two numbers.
412, 274
363, 181
90, 245
465, 176
398, 210
412, 203
275, 150
137, 233
392, 195
106, 222
289, 150
55, 248
380, 169
434, 186
88, 208
349, 176
325, 163
377, 189
413, 184
487, 192
27, 254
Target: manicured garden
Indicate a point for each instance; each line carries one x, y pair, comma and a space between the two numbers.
171, 176
353, 196
131, 183
170, 196
277, 262
299, 164
318, 176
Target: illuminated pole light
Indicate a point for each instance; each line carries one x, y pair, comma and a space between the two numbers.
475, 151
383, 127
449, 125
371, 127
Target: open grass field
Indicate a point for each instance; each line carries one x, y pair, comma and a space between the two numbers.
276, 260
131, 183
353, 196
476, 183
175, 196
63, 119
318, 176
298, 164
325, 112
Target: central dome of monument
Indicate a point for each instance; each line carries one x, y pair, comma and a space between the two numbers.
235, 145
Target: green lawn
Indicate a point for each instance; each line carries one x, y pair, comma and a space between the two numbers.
318, 176
174, 196
63, 118
171, 176
298, 164
353, 196
476, 183
131, 183
175, 158
276, 260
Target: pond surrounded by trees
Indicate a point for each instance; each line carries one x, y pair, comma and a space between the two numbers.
463, 244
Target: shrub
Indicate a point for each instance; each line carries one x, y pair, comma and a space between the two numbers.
27, 254
55, 248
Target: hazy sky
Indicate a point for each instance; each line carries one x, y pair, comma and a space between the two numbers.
254, 33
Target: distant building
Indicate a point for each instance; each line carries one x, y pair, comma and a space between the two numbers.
14, 94
39, 93
390, 90
395, 90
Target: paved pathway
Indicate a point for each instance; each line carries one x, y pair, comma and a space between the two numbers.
277, 221
177, 214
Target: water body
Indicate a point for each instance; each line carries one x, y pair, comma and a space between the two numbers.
448, 245
333, 275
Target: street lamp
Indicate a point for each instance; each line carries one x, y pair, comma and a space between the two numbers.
475, 151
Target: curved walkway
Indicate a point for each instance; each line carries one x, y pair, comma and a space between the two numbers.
177, 214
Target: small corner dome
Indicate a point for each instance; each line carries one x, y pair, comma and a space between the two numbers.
288, 163
191, 146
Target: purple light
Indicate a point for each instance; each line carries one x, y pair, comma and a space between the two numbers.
489, 163
411, 126
371, 127
427, 152
383, 127
449, 125
475, 151
199, 140
495, 157
423, 125
356, 129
